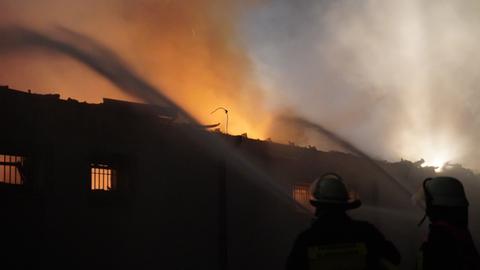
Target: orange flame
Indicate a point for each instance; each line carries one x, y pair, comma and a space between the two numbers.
189, 49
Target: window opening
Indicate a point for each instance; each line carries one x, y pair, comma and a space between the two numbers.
11, 169
102, 177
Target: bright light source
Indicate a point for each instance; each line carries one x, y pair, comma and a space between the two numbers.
438, 162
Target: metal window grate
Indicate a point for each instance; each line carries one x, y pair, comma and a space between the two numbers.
10, 169
301, 194
102, 177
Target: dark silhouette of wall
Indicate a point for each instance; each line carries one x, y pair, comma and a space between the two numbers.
175, 206
165, 211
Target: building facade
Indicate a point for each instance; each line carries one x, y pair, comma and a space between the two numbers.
128, 186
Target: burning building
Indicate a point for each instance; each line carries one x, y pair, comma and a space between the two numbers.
122, 185
126, 185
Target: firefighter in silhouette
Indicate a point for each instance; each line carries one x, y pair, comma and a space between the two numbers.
449, 244
334, 240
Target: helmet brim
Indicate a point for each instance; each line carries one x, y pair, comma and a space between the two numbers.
340, 205
449, 201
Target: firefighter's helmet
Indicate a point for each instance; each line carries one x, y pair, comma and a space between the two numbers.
331, 192
440, 197
444, 191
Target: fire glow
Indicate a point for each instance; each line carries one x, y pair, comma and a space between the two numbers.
383, 83
190, 49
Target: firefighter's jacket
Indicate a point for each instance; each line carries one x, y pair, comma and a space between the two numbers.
448, 247
335, 241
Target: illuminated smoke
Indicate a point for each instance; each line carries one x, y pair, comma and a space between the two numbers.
110, 66
189, 48
397, 78
88, 52
346, 145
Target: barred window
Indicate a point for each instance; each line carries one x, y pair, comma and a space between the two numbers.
102, 177
301, 194
11, 168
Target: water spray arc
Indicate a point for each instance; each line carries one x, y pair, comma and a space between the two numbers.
110, 65
348, 146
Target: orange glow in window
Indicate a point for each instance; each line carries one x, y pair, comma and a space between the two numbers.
10, 169
301, 194
102, 177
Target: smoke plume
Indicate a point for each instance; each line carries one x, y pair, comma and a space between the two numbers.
110, 66
397, 78
191, 49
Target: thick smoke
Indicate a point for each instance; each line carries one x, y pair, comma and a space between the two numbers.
190, 48
86, 51
397, 78
110, 66
346, 145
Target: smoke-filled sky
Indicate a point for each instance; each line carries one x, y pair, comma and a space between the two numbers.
189, 48
396, 78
